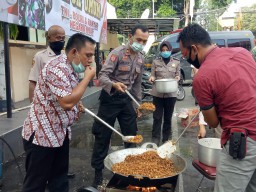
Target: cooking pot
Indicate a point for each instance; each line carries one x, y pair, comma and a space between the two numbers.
166, 85
119, 156
209, 151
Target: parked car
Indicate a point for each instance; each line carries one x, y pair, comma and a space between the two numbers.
221, 38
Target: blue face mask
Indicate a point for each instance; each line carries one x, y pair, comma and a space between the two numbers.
166, 54
137, 47
78, 68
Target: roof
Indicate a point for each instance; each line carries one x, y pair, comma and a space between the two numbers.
122, 26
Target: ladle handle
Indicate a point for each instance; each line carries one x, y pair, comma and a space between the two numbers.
186, 127
130, 95
99, 119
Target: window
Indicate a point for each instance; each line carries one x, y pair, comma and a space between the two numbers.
219, 42
153, 50
245, 43
175, 47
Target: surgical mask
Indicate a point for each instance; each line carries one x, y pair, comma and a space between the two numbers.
78, 68
166, 54
57, 46
195, 63
136, 47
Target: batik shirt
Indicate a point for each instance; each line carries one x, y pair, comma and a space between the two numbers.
46, 118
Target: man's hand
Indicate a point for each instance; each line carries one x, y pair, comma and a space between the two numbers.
80, 107
139, 114
152, 79
201, 132
119, 87
177, 78
89, 72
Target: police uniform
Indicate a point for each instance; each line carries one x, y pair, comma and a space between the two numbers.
39, 61
164, 102
123, 67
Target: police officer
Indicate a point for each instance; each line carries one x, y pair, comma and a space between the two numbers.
164, 67
55, 38
122, 70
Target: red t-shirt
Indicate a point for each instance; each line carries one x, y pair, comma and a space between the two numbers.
227, 80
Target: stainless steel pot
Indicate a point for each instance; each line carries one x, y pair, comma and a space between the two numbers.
119, 156
166, 85
209, 151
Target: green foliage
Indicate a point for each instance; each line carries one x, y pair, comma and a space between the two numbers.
135, 8
13, 31
208, 18
247, 21
165, 10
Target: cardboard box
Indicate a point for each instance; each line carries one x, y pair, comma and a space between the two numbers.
186, 116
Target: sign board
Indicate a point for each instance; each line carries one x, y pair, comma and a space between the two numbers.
75, 16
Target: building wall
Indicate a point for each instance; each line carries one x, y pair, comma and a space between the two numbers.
112, 41
20, 64
2, 72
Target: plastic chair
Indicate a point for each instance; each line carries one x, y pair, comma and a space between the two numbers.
206, 171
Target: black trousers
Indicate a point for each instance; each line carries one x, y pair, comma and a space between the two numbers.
118, 106
164, 108
46, 165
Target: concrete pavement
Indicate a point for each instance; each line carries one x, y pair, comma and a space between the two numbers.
81, 149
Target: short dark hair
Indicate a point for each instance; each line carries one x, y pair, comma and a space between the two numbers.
78, 41
143, 28
194, 34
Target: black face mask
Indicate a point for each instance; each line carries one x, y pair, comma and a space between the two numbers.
195, 63
57, 46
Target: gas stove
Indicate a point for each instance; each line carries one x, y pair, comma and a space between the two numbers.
118, 185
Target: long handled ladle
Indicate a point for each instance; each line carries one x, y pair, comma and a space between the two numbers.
127, 139
130, 95
169, 147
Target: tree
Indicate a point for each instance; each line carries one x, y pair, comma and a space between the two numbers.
165, 10
245, 20
208, 12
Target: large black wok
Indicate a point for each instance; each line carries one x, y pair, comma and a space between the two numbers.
119, 156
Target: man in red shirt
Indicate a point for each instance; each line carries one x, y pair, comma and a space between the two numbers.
225, 87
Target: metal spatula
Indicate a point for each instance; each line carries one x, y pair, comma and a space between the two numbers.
169, 147
124, 138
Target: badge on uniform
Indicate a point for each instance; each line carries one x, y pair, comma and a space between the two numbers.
113, 58
173, 65
125, 58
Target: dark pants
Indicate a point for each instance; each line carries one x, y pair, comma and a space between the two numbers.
46, 165
111, 107
163, 106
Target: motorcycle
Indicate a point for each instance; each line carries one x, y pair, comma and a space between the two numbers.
146, 86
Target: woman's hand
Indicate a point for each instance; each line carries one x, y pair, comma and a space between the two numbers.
152, 79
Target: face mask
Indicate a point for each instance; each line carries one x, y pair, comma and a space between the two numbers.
57, 46
136, 47
195, 63
78, 68
166, 54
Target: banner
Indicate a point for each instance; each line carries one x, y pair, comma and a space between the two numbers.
83, 16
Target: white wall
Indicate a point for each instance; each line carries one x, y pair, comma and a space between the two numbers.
2, 72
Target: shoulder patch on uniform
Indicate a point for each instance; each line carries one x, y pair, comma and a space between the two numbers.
113, 58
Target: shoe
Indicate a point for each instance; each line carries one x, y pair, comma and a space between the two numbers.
71, 175
98, 178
